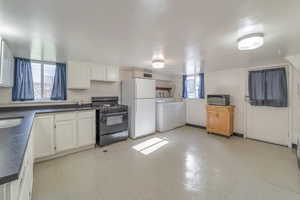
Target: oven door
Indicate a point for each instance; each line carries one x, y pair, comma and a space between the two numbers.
113, 122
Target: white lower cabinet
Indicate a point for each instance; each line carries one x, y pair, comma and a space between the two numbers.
61, 132
65, 131
51, 134
44, 136
21, 189
86, 134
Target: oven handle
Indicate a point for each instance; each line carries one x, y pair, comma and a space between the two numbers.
114, 114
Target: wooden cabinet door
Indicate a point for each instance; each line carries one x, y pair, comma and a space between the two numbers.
43, 141
65, 135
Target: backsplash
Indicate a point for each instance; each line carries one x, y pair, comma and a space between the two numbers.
97, 89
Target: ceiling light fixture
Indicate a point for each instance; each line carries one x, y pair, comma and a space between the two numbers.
158, 63
251, 41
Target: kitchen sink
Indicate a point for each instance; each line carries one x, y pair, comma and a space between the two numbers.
12, 122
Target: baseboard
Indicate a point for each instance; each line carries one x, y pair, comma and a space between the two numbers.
196, 126
64, 153
203, 127
238, 134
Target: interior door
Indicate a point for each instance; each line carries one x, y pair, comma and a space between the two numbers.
269, 124
145, 88
144, 117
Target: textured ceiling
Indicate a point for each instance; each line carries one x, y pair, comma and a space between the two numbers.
131, 32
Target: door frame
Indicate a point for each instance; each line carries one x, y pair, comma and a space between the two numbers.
289, 69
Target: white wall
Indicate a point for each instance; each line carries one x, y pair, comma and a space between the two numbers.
230, 82
98, 88
296, 105
233, 82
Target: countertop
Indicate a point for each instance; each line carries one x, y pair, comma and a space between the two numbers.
14, 140
13, 143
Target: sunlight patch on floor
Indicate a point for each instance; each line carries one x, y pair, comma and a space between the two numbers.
149, 146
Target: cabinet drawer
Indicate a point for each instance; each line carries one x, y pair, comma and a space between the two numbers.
86, 114
65, 116
219, 108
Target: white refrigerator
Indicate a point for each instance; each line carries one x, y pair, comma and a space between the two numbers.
139, 96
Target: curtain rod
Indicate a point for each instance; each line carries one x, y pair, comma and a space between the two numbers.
270, 66
42, 61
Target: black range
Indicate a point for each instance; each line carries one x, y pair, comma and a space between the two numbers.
111, 120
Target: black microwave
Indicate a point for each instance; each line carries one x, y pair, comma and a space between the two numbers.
218, 99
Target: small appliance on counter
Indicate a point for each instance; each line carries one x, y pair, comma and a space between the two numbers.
111, 120
218, 100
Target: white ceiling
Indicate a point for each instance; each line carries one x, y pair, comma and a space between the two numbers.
130, 32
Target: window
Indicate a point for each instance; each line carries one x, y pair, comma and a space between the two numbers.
268, 88
43, 79
193, 86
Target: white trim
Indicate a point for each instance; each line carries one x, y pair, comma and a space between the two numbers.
290, 96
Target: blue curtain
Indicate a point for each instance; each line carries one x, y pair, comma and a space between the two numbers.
268, 88
184, 86
23, 82
59, 90
201, 90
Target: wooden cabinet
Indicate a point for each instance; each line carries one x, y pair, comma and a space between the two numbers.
43, 128
65, 131
78, 75
86, 134
220, 119
6, 66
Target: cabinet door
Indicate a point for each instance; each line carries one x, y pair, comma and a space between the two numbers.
78, 75
7, 66
98, 73
86, 131
65, 135
112, 73
43, 130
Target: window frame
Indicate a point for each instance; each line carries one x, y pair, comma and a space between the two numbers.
42, 63
195, 96
196, 87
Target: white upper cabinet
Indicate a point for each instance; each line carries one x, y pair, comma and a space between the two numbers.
112, 73
104, 73
78, 75
6, 66
98, 72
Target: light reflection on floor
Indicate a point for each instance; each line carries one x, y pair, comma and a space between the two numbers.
149, 146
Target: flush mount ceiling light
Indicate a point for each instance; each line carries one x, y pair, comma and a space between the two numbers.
251, 41
158, 63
